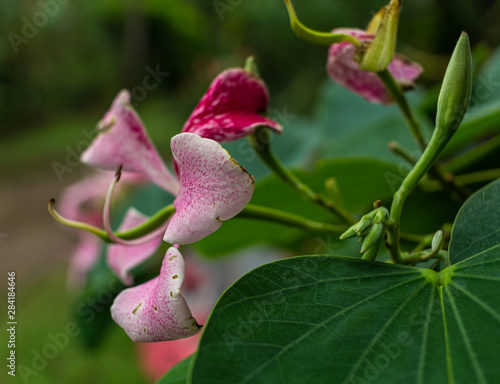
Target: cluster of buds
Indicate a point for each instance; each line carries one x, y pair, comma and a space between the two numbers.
370, 229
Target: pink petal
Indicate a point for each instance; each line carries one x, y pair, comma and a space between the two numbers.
214, 188
122, 258
124, 140
230, 108
84, 259
344, 70
156, 311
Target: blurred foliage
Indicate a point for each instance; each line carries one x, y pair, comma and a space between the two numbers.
85, 52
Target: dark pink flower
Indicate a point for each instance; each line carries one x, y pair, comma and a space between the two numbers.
344, 70
231, 108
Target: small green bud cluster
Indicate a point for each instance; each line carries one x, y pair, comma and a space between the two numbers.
370, 228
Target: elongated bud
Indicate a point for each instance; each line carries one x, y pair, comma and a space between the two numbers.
437, 242
315, 37
373, 237
365, 222
351, 232
456, 90
384, 25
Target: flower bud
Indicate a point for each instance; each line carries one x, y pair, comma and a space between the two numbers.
437, 241
373, 237
456, 90
384, 26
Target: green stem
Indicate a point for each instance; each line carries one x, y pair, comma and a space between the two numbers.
270, 214
140, 230
260, 141
438, 141
315, 37
446, 181
465, 179
395, 91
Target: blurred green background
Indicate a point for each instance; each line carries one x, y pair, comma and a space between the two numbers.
62, 63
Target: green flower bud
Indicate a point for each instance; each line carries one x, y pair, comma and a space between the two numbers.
384, 25
373, 237
351, 232
437, 242
456, 90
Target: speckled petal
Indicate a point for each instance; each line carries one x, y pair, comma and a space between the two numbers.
156, 311
122, 139
230, 108
214, 188
122, 258
344, 70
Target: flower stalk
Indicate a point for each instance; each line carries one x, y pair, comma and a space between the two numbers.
260, 141
452, 104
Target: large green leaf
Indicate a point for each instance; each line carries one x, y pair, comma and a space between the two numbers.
477, 226
362, 181
178, 374
320, 319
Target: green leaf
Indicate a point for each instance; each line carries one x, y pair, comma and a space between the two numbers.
361, 182
324, 319
354, 127
477, 226
177, 374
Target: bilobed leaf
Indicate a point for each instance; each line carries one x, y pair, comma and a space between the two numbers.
178, 374
329, 319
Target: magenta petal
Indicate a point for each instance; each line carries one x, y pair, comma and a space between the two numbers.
230, 108
123, 140
122, 258
156, 311
214, 187
344, 70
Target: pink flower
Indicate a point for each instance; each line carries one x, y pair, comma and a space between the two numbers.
344, 70
212, 186
122, 140
230, 108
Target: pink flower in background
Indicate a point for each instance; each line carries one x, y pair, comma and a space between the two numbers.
83, 201
122, 140
231, 107
344, 70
